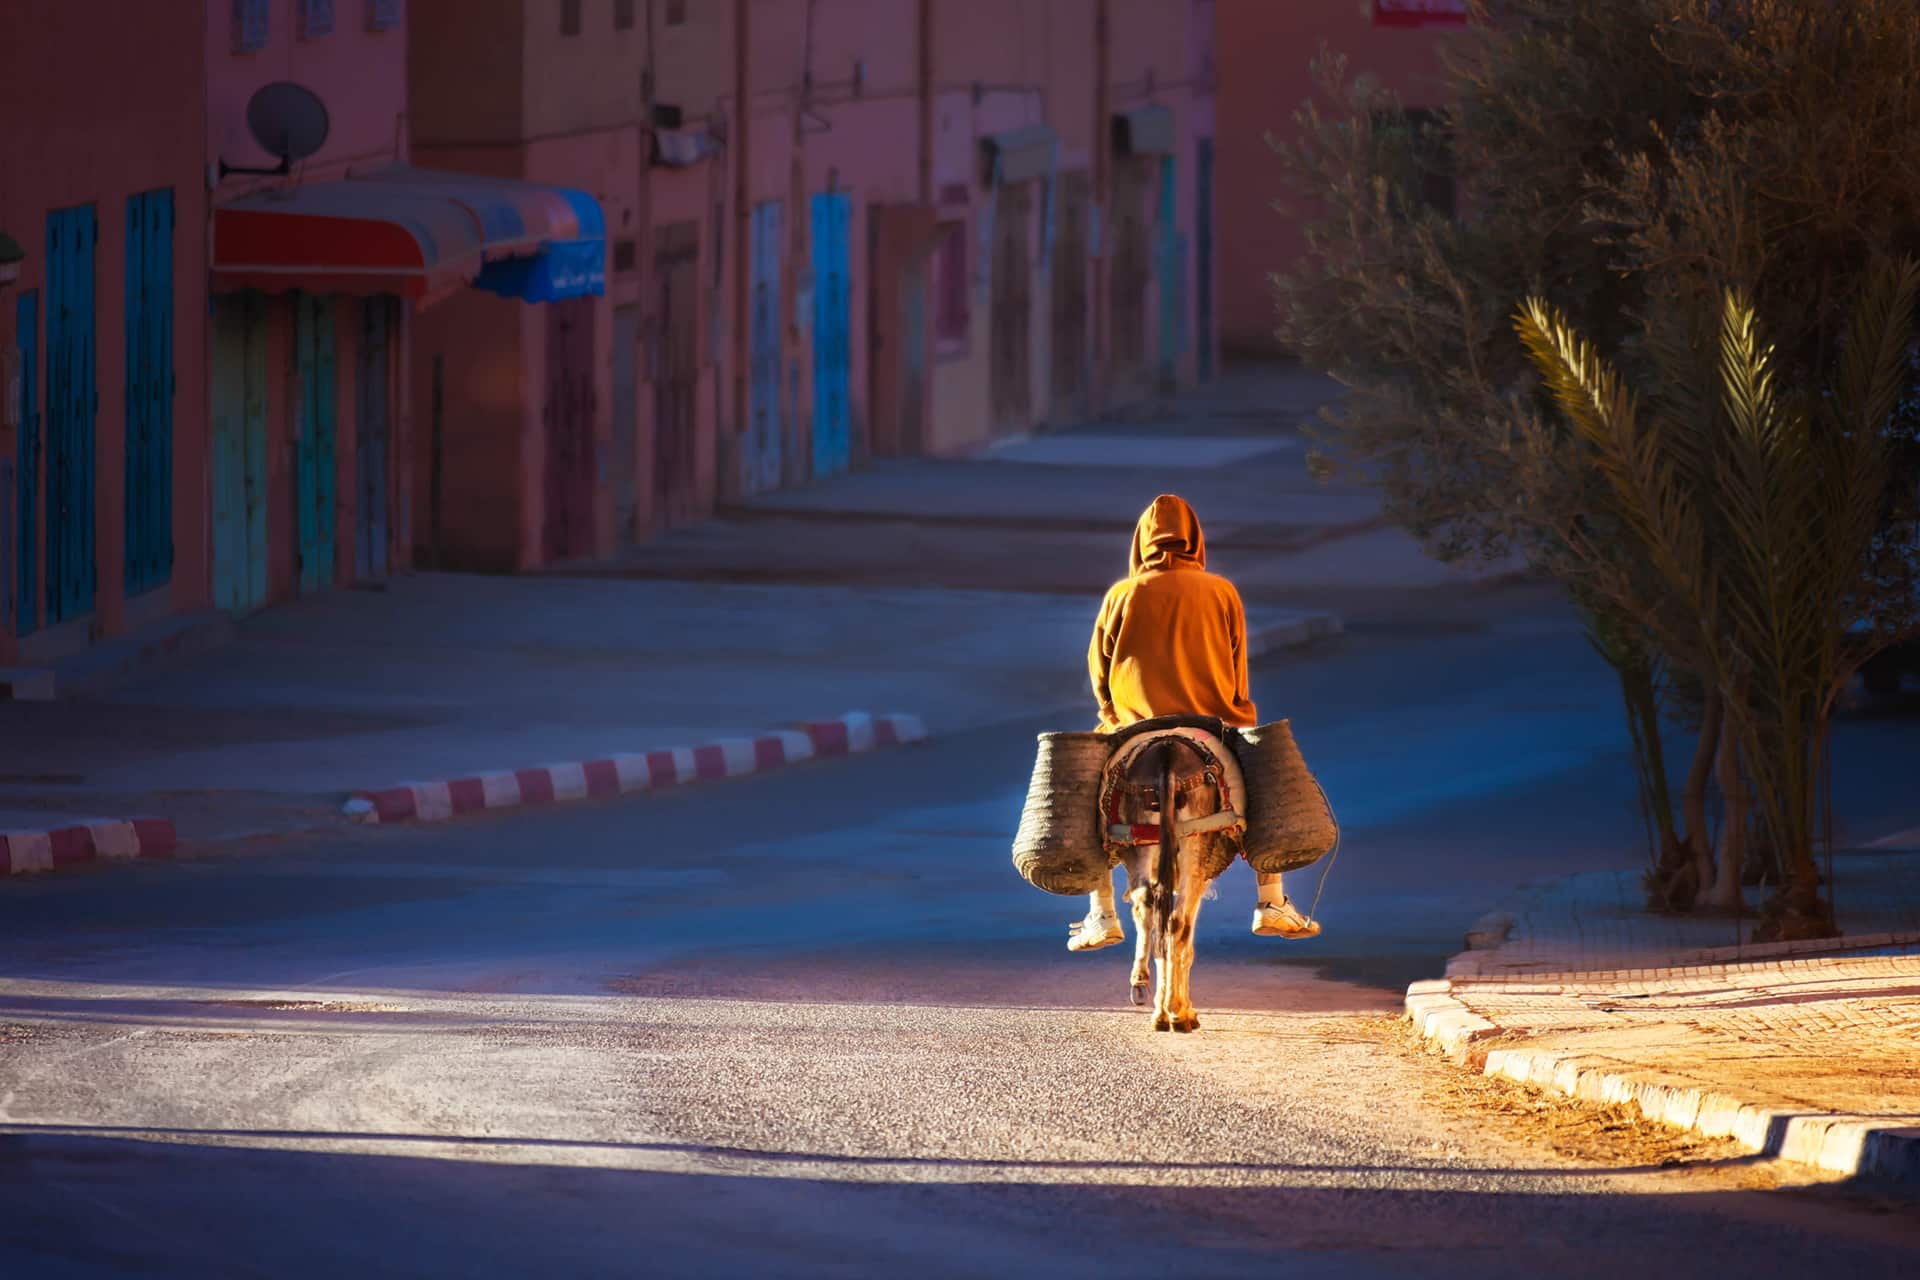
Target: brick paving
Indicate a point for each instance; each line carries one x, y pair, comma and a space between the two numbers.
1806, 1050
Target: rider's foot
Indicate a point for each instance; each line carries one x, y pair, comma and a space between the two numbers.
1283, 919
1099, 929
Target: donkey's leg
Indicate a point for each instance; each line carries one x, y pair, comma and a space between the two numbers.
1162, 980
1186, 914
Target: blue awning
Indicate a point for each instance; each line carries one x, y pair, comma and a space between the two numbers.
562, 269
542, 243
573, 266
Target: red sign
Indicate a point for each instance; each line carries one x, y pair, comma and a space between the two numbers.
1419, 13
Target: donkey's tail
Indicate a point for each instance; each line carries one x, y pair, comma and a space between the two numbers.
1166, 864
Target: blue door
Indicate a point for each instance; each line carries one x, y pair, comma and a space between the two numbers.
315, 469
26, 475
761, 461
149, 391
1169, 261
373, 437
239, 358
832, 340
71, 404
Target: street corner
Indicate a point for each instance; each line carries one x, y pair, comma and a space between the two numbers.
854, 733
81, 843
1653, 1037
1444, 1021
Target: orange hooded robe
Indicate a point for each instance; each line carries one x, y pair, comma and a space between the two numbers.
1172, 638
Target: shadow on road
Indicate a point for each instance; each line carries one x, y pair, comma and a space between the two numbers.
313, 1213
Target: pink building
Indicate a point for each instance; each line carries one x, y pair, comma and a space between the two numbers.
527, 280
896, 246
928, 212
533, 447
323, 271
303, 354
103, 437
1264, 55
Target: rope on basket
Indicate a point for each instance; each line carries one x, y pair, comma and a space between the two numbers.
1331, 853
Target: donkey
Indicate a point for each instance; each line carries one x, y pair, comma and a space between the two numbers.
1171, 785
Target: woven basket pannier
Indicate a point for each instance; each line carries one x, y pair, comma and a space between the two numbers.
1289, 822
1058, 847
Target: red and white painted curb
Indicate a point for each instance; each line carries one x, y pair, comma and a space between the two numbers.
623, 774
105, 841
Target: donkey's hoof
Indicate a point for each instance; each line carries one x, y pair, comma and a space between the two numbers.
1139, 993
1162, 1023
1189, 1023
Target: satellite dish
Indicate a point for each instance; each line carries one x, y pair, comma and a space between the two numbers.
288, 120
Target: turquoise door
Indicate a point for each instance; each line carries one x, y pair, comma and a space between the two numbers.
239, 451
26, 475
832, 339
373, 437
316, 464
148, 485
762, 455
72, 401
1169, 263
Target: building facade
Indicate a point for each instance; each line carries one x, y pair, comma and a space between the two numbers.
531, 444
304, 361
1264, 56
314, 291
327, 265
838, 229
103, 421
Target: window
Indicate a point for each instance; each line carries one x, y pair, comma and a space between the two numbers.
316, 19
383, 15
569, 17
951, 292
625, 255
676, 13
622, 15
250, 25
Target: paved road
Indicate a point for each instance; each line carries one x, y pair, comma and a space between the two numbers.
812, 1024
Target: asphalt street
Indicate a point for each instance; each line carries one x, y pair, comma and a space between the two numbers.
812, 1023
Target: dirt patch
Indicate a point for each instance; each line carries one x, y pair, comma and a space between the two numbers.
1608, 1135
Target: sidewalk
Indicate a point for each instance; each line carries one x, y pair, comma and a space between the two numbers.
1801, 1050
1053, 513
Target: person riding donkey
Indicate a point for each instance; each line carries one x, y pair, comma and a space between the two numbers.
1171, 639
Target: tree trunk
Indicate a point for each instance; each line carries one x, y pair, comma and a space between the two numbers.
1711, 744
1724, 895
1674, 879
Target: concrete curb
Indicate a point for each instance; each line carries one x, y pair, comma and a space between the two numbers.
1847, 1144
851, 734
103, 841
